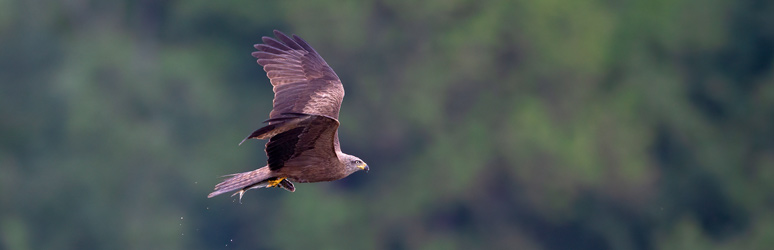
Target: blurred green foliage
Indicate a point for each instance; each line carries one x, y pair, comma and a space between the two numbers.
502, 124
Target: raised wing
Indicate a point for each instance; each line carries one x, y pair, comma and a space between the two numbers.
303, 82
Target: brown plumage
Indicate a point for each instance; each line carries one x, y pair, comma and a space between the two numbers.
302, 127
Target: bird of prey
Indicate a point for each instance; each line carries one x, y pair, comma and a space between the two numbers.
303, 125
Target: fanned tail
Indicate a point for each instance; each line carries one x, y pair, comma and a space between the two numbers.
242, 182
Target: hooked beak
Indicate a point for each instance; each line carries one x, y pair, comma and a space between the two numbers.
364, 167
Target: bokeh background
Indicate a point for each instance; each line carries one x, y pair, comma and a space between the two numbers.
502, 124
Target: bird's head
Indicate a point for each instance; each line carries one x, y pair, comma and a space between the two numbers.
354, 164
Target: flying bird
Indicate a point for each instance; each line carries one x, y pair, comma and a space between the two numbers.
303, 125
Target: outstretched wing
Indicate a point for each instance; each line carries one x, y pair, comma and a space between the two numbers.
303, 82
309, 143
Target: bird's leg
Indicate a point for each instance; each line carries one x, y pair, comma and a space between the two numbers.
275, 182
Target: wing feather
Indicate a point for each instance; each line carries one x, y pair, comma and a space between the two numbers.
312, 140
272, 49
284, 73
273, 43
289, 42
303, 82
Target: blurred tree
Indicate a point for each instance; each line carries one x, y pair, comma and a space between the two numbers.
488, 124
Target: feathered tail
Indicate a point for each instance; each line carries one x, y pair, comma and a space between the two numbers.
242, 182
258, 178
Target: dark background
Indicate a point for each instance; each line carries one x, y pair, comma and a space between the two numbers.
547, 124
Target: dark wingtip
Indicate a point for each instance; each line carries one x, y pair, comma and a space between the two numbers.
278, 33
285, 116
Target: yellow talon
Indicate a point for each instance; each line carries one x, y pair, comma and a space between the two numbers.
274, 183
